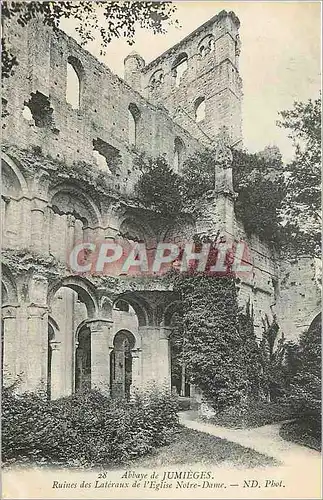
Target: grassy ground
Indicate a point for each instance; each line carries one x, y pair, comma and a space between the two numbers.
188, 447
191, 447
300, 432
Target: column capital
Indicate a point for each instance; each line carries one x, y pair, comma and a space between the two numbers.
70, 220
34, 310
9, 311
38, 205
136, 352
97, 325
55, 345
165, 332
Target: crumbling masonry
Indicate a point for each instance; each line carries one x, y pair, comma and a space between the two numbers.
72, 134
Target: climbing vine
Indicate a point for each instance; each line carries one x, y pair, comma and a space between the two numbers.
219, 340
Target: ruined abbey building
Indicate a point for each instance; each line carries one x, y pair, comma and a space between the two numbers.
72, 135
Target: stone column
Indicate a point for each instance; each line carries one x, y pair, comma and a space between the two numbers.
56, 370
101, 343
4, 201
10, 345
164, 364
37, 224
25, 227
155, 355
36, 349
70, 233
136, 369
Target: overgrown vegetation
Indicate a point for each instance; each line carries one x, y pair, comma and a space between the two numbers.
87, 428
254, 414
159, 187
305, 395
257, 180
217, 340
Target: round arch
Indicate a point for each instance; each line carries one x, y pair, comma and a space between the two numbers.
140, 306
126, 333
83, 287
11, 169
71, 195
130, 229
316, 321
9, 286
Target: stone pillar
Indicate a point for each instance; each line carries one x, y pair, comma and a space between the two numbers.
70, 233
36, 349
4, 201
25, 227
37, 224
136, 369
56, 370
156, 366
10, 345
101, 346
164, 365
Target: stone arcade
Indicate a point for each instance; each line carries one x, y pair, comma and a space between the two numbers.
65, 114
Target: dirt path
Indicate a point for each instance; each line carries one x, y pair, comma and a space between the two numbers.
265, 439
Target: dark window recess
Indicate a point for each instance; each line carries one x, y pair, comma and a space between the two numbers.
110, 153
41, 110
4, 104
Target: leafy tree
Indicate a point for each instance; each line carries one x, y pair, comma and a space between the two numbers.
159, 187
120, 20
258, 180
302, 205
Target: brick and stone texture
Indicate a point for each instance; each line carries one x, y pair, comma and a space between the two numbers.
69, 172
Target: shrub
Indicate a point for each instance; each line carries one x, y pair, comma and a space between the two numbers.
86, 428
254, 414
159, 187
302, 432
306, 385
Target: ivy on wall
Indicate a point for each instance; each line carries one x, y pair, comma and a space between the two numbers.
159, 187
221, 354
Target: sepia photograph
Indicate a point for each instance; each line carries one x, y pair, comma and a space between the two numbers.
161, 249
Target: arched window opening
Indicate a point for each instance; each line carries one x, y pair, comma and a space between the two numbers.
199, 108
74, 75
156, 79
121, 364
179, 149
83, 361
206, 46
202, 51
133, 120
179, 68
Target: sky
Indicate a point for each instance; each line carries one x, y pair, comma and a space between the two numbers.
280, 58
